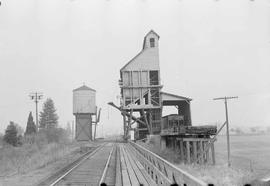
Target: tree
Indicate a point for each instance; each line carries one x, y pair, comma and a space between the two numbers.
10, 136
48, 116
31, 127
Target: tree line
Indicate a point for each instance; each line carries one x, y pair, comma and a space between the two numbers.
48, 127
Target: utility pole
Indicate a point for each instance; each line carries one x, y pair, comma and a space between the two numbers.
227, 124
36, 96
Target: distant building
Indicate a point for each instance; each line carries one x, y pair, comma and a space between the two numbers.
84, 106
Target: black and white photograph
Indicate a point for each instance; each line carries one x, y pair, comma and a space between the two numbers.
134, 92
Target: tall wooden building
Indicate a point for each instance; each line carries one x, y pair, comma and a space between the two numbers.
140, 87
142, 103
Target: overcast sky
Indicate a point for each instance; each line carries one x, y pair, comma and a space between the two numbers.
208, 48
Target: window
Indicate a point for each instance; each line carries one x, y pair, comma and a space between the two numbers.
153, 77
152, 42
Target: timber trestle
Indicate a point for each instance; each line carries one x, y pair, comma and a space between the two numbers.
160, 170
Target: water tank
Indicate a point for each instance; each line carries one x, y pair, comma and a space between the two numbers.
84, 100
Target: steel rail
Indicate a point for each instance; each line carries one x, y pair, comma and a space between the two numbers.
74, 167
102, 179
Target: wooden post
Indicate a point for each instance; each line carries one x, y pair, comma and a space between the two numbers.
194, 151
182, 150
213, 154
124, 125
228, 135
227, 125
207, 152
174, 144
188, 151
201, 151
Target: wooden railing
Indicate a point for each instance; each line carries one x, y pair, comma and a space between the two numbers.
162, 171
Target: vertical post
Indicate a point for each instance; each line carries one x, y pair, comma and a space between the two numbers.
213, 154
124, 125
207, 152
95, 131
201, 151
195, 150
36, 96
128, 127
182, 149
227, 125
36, 101
188, 151
150, 122
228, 135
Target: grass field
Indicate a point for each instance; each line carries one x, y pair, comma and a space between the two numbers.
248, 152
250, 156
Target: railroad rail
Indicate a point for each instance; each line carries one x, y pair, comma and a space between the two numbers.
162, 171
123, 164
91, 171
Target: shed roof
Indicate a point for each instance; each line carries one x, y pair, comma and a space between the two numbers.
172, 97
84, 88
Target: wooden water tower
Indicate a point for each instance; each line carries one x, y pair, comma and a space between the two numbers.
84, 106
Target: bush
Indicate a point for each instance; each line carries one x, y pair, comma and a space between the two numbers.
53, 135
20, 160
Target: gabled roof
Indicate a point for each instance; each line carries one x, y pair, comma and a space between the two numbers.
84, 88
168, 96
132, 60
151, 31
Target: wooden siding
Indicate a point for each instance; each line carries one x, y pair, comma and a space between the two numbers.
147, 60
83, 127
84, 101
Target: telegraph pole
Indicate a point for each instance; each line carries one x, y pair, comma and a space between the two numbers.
36, 96
227, 124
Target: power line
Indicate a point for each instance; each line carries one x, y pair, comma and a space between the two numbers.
36, 96
227, 123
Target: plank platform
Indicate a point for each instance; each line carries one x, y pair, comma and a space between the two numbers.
133, 173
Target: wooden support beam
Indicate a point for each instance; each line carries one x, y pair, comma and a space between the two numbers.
188, 151
213, 154
147, 124
150, 122
126, 113
195, 139
200, 152
212, 140
124, 125
195, 151
182, 150
207, 153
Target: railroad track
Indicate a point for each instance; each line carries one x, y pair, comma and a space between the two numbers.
123, 164
96, 167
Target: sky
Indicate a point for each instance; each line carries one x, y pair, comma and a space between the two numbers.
208, 49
